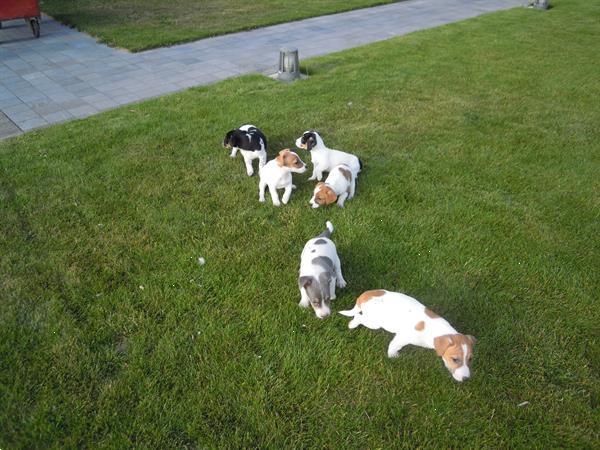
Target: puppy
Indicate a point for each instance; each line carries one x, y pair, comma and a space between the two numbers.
413, 324
325, 159
320, 272
277, 174
339, 185
252, 144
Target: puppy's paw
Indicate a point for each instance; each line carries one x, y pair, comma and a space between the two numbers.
262, 200
354, 323
393, 354
341, 283
294, 186
250, 172
312, 178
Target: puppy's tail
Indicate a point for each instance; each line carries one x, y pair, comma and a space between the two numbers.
328, 231
351, 312
356, 315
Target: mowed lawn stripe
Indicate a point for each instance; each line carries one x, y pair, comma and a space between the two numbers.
142, 24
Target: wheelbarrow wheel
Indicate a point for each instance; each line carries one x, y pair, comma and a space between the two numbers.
34, 23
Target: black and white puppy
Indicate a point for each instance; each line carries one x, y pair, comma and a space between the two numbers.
252, 144
323, 158
320, 272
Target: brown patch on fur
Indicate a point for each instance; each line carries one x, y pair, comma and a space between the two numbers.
420, 326
330, 195
324, 195
347, 174
368, 295
281, 157
431, 314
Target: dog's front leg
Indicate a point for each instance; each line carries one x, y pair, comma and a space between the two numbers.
317, 174
261, 191
233, 152
286, 194
341, 199
262, 159
304, 300
341, 283
396, 345
249, 168
274, 195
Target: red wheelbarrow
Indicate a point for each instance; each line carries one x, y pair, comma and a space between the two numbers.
22, 9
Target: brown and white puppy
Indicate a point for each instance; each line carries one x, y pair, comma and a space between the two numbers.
339, 186
414, 324
277, 174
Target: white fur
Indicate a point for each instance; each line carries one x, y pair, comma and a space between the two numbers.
277, 177
343, 188
324, 159
399, 314
307, 268
250, 156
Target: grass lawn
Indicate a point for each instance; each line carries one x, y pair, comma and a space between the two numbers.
143, 24
479, 196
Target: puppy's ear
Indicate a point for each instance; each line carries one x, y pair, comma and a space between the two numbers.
330, 196
441, 343
471, 339
319, 184
303, 282
227, 139
310, 142
281, 157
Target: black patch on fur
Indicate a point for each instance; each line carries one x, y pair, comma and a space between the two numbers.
320, 241
239, 138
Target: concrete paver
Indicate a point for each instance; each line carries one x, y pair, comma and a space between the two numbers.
66, 74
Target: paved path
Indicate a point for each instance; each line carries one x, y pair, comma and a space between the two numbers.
66, 74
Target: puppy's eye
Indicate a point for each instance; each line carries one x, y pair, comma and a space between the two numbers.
456, 360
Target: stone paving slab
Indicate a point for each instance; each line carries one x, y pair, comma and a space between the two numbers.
66, 74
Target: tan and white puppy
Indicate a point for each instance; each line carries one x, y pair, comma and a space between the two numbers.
277, 174
324, 159
414, 324
339, 186
320, 272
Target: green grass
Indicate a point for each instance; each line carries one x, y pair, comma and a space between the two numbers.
143, 24
480, 196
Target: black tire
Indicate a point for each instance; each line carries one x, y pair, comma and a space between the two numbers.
35, 27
